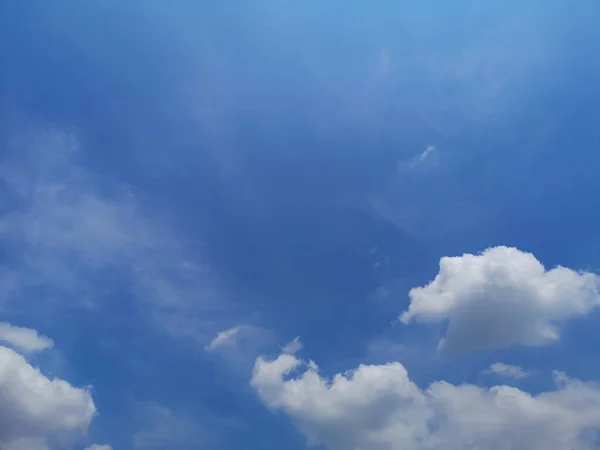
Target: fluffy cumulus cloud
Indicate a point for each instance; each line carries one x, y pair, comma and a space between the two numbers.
25, 339
35, 409
378, 407
99, 447
500, 298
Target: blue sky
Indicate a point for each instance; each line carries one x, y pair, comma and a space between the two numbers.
188, 187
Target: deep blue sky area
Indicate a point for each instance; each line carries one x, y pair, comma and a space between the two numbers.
189, 185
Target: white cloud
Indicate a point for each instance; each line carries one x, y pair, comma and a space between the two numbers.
227, 337
507, 370
500, 298
427, 155
99, 447
35, 408
423, 161
293, 347
378, 407
24, 339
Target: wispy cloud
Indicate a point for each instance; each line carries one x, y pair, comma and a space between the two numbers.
426, 159
226, 337
164, 428
69, 233
239, 346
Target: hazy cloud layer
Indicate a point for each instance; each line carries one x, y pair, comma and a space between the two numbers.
65, 230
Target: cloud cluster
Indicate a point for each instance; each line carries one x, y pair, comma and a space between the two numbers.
35, 409
378, 407
501, 297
